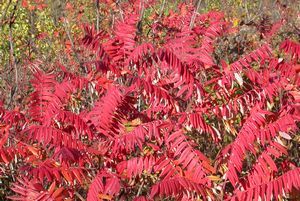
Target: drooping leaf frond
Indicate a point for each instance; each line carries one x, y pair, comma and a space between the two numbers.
104, 183
291, 47
273, 189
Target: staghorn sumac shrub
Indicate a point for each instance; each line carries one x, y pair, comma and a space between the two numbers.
155, 115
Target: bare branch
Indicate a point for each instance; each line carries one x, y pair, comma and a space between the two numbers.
79, 196
162, 8
194, 14
67, 30
97, 16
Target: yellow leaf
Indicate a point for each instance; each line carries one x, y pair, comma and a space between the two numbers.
130, 125
235, 22
58, 192
136, 121
52, 187
104, 196
33, 150
213, 178
67, 175
208, 167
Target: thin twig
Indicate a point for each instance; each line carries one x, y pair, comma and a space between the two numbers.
79, 196
32, 31
113, 21
142, 10
12, 56
194, 14
140, 22
121, 12
97, 16
13, 65
223, 189
140, 188
162, 9
247, 10
66, 26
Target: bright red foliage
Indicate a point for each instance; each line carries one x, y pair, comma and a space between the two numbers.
129, 127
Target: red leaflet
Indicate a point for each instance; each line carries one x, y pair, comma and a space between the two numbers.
291, 47
4, 135
270, 162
